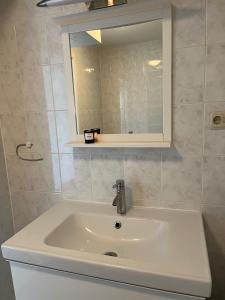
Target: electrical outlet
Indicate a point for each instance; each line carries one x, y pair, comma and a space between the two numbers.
217, 120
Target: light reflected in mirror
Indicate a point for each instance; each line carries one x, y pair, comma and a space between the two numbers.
117, 76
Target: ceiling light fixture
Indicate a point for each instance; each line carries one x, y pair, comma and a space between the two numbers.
92, 5
48, 3
154, 63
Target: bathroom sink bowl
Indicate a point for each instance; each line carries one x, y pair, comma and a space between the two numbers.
156, 248
128, 238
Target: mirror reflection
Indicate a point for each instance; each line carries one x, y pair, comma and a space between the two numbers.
117, 76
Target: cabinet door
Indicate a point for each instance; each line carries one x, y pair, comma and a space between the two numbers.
44, 284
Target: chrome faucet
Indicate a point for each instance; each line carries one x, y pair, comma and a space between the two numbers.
120, 199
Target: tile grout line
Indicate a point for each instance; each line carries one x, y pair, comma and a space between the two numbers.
161, 179
203, 106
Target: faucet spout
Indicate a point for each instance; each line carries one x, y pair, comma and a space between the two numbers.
120, 199
115, 201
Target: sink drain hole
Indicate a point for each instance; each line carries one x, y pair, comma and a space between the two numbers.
114, 254
118, 225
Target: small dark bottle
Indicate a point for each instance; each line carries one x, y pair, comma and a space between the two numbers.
97, 131
89, 136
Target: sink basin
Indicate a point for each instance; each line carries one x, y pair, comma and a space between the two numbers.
156, 248
135, 239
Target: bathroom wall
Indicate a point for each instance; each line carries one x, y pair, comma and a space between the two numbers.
33, 107
6, 229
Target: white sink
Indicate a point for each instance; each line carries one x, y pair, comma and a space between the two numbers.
156, 248
94, 233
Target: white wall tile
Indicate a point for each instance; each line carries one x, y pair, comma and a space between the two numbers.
42, 176
189, 75
215, 77
213, 181
187, 129
59, 87
181, 181
36, 88
15, 172
54, 41
143, 177
27, 206
106, 168
214, 140
76, 175
189, 26
41, 131
8, 49
63, 131
215, 21
11, 92
32, 41
14, 131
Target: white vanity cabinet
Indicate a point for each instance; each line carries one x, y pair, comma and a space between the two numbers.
37, 283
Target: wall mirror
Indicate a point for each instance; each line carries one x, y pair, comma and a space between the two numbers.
118, 67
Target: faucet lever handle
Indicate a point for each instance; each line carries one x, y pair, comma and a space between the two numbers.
119, 184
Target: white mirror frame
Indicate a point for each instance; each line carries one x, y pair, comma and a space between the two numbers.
119, 16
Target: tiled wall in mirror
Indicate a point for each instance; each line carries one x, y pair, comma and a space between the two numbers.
117, 76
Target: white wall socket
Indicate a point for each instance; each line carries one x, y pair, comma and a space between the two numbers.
217, 120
